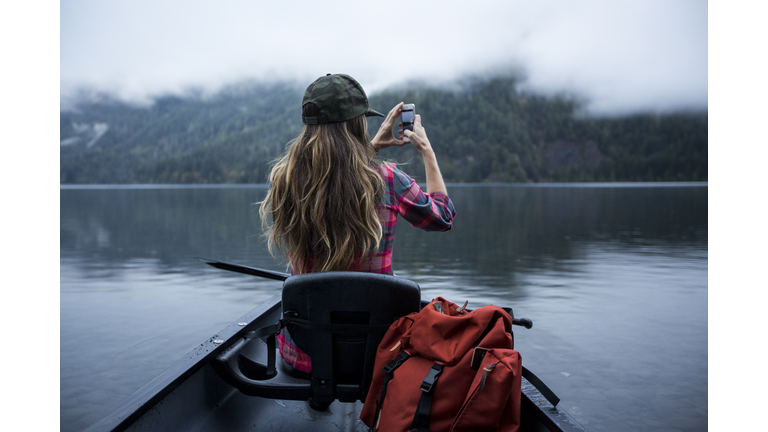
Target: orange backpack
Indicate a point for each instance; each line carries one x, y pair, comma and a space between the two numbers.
446, 369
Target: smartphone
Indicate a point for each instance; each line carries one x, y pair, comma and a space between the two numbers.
408, 115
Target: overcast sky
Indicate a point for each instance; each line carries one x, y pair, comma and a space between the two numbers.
621, 56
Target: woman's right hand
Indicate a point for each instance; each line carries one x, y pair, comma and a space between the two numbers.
417, 137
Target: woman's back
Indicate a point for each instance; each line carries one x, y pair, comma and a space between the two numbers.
330, 205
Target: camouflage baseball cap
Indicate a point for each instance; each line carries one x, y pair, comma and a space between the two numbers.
339, 97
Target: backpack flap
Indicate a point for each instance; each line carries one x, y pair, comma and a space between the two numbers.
443, 334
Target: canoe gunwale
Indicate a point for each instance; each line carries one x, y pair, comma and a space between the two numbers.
540, 410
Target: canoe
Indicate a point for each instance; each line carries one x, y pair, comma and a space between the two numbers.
191, 396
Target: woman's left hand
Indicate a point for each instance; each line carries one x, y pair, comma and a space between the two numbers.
384, 137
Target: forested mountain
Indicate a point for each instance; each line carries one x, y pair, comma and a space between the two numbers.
483, 131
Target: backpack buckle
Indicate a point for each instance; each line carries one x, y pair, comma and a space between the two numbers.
431, 378
394, 364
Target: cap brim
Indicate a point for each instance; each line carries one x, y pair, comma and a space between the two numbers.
372, 113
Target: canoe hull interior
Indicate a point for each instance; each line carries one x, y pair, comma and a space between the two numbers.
191, 396
220, 407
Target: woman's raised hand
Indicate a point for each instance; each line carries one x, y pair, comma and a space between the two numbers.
417, 137
384, 137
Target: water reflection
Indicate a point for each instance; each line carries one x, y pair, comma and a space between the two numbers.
170, 225
504, 231
499, 231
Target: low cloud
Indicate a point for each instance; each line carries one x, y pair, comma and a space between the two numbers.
86, 131
620, 57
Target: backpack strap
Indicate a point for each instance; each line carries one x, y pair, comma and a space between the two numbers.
389, 371
421, 418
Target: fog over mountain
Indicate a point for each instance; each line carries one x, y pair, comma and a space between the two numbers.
618, 57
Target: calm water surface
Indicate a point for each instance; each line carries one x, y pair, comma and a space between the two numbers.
613, 276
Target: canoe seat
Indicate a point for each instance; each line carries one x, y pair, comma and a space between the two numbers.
338, 319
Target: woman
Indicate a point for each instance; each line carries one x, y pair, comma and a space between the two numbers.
331, 205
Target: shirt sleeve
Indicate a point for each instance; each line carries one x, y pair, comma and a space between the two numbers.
430, 212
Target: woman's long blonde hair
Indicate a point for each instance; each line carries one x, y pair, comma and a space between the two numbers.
323, 197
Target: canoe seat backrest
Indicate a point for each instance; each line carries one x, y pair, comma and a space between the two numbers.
342, 362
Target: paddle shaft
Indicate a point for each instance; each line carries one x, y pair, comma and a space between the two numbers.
253, 271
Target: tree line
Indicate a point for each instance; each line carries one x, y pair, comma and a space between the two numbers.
485, 130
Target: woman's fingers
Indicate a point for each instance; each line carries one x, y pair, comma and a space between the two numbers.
407, 135
394, 113
417, 122
385, 138
402, 139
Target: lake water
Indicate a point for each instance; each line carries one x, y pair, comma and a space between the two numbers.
614, 277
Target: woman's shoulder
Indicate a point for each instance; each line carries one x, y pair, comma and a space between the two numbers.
387, 167
390, 171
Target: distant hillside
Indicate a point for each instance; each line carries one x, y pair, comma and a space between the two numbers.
486, 131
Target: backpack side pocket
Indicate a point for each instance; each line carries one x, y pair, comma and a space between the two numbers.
493, 400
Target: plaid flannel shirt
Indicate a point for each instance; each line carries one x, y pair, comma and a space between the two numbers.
402, 196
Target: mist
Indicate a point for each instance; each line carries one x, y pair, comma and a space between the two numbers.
617, 57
